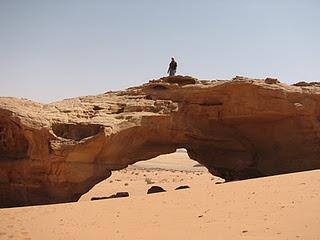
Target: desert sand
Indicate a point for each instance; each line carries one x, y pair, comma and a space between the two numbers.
277, 207
168, 171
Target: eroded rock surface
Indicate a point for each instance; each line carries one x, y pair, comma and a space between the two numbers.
238, 129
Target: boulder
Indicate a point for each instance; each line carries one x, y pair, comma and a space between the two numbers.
155, 189
271, 80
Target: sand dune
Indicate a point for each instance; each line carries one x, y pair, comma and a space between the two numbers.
277, 207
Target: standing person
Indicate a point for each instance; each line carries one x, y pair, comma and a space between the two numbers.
172, 67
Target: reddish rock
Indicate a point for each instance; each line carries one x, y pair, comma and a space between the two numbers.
238, 129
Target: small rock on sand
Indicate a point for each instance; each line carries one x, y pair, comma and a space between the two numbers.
155, 189
117, 195
182, 187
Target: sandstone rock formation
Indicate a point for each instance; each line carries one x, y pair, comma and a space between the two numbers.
238, 129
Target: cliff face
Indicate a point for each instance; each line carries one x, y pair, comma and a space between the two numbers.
238, 129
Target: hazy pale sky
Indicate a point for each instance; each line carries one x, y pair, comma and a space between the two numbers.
50, 50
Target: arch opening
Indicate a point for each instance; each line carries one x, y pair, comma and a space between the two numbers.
168, 171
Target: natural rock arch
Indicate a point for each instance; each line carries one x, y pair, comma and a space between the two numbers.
238, 129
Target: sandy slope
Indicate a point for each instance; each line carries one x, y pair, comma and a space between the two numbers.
278, 207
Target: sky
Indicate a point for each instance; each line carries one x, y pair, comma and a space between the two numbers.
51, 50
